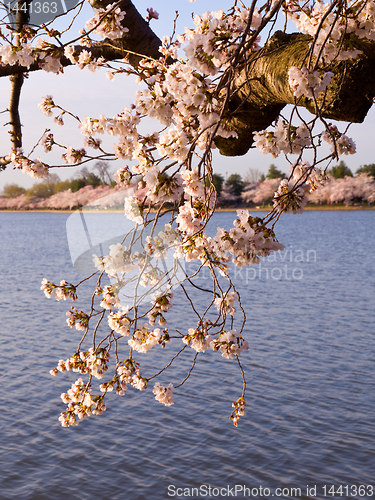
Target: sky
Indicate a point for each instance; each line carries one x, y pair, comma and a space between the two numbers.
84, 93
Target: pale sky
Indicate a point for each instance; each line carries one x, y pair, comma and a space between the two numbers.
84, 93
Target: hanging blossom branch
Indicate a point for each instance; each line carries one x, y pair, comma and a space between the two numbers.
170, 196
183, 195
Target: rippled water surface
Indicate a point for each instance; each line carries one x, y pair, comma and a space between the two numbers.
310, 375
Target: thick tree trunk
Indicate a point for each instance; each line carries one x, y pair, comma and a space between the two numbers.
264, 90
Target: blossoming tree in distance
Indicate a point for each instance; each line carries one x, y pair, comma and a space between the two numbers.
223, 83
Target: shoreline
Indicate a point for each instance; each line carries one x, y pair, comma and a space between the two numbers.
328, 208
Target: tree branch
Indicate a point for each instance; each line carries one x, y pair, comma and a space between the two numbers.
139, 42
263, 88
22, 18
140, 38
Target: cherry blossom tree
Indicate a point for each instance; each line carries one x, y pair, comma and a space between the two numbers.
224, 83
228, 195
262, 193
347, 190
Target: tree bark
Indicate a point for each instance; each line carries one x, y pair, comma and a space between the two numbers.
263, 89
140, 37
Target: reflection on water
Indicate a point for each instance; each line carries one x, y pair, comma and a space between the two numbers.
309, 370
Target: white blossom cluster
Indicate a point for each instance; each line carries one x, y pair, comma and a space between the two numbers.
133, 209
110, 299
230, 343
363, 23
73, 156
190, 217
76, 318
193, 185
226, 304
22, 55
123, 125
314, 176
289, 200
47, 55
34, 168
107, 22
94, 361
46, 105
163, 394
144, 339
341, 143
97, 361
161, 304
178, 96
158, 246
247, 241
47, 142
110, 385
123, 177
26, 55
119, 261
197, 246
84, 59
162, 188
128, 372
198, 338
120, 322
81, 404
151, 276
331, 28
305, 82
285, 138
60, 292
216, 37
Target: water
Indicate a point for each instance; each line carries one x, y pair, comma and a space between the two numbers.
310, 396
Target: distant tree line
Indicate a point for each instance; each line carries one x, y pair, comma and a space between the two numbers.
53, 184
257, 188
254, 189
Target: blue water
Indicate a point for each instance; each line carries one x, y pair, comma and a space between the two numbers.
310, 376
